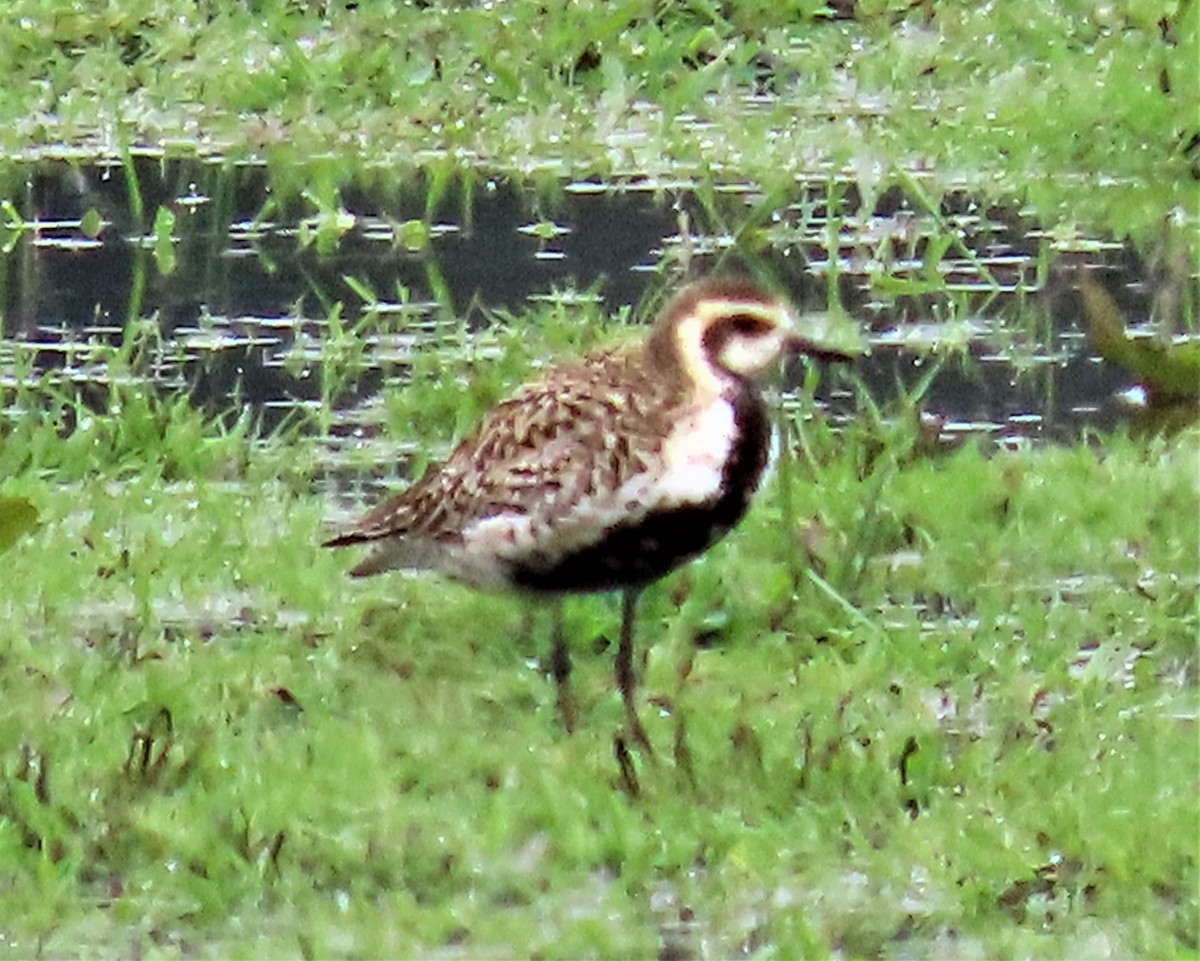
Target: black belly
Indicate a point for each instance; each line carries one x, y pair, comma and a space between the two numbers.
629, 556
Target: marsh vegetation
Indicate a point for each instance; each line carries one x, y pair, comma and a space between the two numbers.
936, 697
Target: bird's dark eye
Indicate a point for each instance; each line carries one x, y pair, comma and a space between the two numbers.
748, 326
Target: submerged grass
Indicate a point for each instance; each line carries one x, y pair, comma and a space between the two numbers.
970, 730
1048, 103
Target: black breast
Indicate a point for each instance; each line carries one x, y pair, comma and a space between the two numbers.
635, 554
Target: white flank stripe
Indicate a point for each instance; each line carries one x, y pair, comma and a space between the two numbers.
695, 455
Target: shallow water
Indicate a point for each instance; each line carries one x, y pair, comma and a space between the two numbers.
244, 313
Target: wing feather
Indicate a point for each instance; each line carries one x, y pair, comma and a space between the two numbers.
582, 428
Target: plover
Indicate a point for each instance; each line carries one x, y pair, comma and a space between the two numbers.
604, 473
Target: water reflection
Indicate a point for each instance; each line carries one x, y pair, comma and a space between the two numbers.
245, 313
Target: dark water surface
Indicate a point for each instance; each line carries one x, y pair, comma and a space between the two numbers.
245, 310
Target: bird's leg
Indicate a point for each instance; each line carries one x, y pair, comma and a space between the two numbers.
683, 753
624, 668
560, 669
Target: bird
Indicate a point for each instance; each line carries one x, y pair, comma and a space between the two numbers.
605, 472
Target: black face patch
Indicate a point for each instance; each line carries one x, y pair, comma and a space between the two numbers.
747, 325
722, 331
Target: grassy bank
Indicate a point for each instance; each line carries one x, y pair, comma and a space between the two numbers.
1083, 110
916, 705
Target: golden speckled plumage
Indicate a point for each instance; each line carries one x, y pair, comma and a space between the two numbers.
583, 428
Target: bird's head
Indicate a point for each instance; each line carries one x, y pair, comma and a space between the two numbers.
719, 330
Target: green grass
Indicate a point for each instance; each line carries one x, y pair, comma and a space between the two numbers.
1084, 111
970, 731
915, 706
